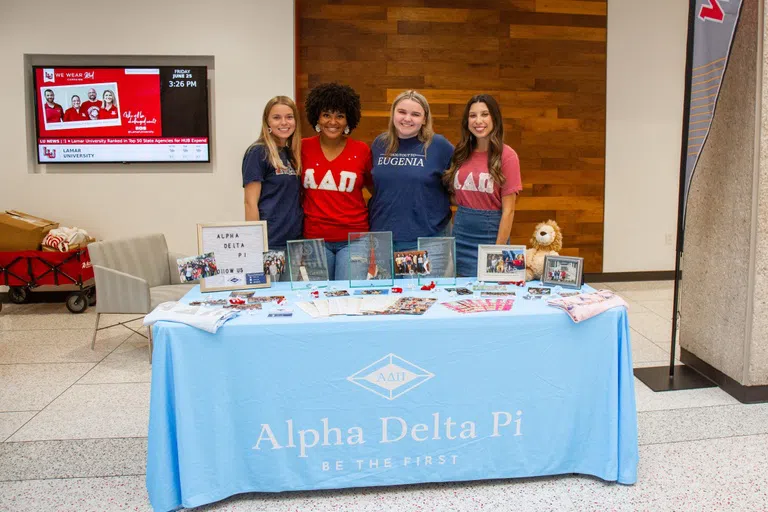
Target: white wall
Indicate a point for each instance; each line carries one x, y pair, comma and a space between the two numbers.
646, 85
252, 44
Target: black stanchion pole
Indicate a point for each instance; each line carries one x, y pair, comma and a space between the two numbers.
677, 377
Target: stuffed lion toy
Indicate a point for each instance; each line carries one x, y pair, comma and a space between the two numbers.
547, 240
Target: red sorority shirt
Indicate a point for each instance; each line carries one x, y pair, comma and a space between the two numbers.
108, 114
474, 187
53, 114
88, 104
73, 115
333, 191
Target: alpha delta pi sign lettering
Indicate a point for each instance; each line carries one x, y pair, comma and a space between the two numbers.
238, 249
390, 377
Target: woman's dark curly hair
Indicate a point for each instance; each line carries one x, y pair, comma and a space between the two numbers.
333, 97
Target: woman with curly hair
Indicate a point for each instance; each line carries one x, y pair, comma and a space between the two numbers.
485, 178
335, 170
272, 190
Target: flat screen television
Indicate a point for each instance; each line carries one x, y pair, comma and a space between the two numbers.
121, 114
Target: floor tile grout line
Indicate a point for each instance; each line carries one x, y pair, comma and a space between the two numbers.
52, 362
739, 404
75, 478
686, 408
665, 349
67, 389
707, 439
106, 356
74, 439
60, 328
111, 383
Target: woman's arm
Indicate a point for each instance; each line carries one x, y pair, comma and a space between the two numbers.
507, 216
252, 192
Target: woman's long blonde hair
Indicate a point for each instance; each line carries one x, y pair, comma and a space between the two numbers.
391, 139
270, 141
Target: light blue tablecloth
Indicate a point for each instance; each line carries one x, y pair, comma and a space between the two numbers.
275, 404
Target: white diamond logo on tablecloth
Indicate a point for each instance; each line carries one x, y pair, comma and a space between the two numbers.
390, 377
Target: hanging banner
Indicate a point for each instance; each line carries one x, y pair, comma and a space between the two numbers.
713, 28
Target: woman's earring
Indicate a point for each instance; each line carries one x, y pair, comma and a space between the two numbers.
269, 130
317, 128
346, 130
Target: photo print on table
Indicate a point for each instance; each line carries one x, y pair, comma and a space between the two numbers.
460, 291
274, 263
196, 267
411, 306
261, 299
501, 263
337, 293
372, 292
565, 271
504, 262
244, 295
412, 263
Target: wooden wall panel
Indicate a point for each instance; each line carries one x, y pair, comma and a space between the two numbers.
543, 60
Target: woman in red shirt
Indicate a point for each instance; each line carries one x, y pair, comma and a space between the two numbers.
484, 177
75, 112
335, 168
108, 109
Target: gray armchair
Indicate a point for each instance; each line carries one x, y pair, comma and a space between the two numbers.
133, 275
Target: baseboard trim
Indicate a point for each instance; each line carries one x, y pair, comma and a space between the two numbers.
744, 394
611, 277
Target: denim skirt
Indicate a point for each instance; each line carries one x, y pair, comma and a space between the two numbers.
472, 228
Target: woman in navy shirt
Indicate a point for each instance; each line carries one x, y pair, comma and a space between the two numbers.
270, 174
409, 197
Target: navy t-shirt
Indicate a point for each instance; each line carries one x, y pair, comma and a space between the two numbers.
279, 202
409, 198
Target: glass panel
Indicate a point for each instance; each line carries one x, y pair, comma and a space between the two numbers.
439, 256
307, 265
370, 259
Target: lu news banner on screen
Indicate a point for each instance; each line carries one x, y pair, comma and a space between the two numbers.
112, 114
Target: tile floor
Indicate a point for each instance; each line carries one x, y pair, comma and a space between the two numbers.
73, 426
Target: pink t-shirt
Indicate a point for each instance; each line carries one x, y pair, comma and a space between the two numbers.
476, 189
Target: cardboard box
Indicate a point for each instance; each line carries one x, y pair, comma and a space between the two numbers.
22, 232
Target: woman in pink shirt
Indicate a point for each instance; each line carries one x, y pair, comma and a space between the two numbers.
484, 177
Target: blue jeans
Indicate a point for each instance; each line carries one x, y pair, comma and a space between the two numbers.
472, 228
337, 256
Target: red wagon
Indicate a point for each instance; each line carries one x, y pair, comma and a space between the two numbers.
24, 271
